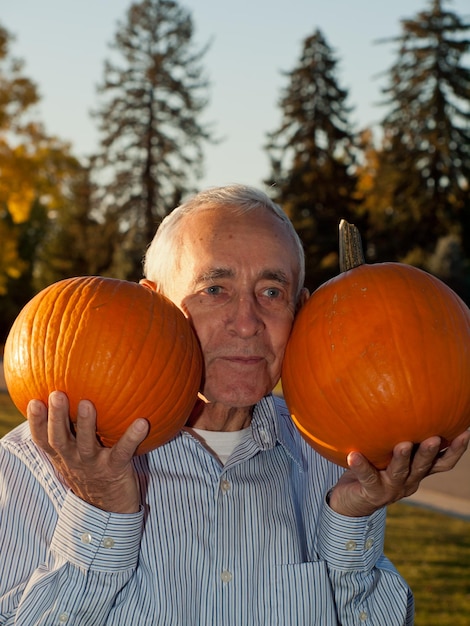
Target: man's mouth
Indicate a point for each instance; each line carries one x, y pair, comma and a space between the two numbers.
243, 360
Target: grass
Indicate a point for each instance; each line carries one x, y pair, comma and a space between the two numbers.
432, 552
429, 549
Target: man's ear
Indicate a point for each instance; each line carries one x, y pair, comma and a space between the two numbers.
148, 283
304, 295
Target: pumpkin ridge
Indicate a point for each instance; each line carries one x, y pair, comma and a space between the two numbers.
163, 325
140, 407
173, 365
76, 315
461, 369
433, 294
128, 360
50, 314
328, 371
402, 361
316, 367
79, 294
337, 363
38, 328
169, 368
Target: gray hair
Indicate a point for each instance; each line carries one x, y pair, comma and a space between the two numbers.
161, 255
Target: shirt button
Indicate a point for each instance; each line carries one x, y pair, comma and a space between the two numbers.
226, 576
369, 543
108, 542
225, 486
363, 616
264, 436
350, 545
86, 538
63, 618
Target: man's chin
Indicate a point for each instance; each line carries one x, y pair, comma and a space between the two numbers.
238, 398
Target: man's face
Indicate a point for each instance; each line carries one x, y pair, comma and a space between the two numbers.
236, 280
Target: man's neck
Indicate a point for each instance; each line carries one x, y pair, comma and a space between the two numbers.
219, 417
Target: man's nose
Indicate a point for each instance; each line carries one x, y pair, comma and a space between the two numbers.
246, 319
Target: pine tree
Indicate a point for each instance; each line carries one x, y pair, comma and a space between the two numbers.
151, 137
313, 156
423, 175
76, 243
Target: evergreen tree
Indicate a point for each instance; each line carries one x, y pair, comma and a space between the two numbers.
152, 100
76, 243
313, 156
423, 173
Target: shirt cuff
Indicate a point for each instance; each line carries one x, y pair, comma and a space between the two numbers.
92, 539
351, 543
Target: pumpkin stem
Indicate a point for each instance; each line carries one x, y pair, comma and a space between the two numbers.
351, 254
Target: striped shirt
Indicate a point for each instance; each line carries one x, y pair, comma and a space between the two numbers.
248, 543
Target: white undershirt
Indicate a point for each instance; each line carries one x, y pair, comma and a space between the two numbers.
221, 443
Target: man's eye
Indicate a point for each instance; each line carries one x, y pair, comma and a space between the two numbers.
213, 290
272, 292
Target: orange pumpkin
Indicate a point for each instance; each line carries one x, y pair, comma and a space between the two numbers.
378, 355
121, 345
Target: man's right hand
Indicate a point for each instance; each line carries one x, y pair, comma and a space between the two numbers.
103, 477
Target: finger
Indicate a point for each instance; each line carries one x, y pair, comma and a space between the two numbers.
37, 418
364, 471
59, 434
123, 451
398, 469
85, 429
424, 458
449, 458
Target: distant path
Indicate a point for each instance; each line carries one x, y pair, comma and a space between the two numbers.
448, 492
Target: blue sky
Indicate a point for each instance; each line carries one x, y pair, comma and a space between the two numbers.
64, 44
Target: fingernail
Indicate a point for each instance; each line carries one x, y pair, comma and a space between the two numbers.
84, 408
141, 425
353, 459
35, 407
56, 399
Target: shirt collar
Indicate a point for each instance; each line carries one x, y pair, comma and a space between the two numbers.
271, 424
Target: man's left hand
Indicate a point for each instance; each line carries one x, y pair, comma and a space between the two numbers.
364, 489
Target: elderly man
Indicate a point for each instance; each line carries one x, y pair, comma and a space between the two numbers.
236, 521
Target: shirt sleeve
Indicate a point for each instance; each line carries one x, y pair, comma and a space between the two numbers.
62, 560
93, 555
368, 589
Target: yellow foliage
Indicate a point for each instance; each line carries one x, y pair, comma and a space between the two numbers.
11, 266
19, 204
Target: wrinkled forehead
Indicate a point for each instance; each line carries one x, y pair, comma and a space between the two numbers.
210, 223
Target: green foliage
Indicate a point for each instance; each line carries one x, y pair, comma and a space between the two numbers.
76, 243
313, 156
152, 97
423, 174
